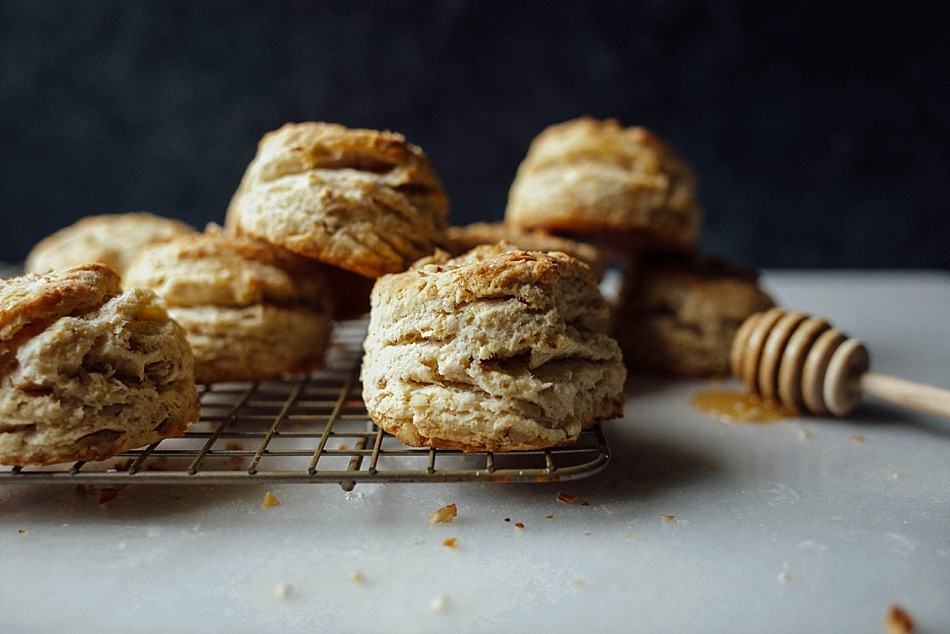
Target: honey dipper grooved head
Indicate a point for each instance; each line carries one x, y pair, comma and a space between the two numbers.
799, 361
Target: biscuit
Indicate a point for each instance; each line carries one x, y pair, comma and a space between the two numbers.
251, 310
362, 200
590, 176
463, 239
88, 371
113, 239
680, 314
496, 350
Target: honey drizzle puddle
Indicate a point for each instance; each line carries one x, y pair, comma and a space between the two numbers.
733, 406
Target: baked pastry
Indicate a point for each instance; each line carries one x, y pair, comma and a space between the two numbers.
496, 350
251, 310
463, 239
680, 314
590, 176
88, 371
113, 239
362, 200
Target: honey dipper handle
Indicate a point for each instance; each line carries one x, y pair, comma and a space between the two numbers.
917, 396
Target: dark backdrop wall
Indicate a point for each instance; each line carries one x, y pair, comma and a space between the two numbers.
821, 134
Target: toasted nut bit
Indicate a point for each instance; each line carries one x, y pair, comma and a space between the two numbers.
444, 515
358, 577
507, 519
519, 525
549, 516
450, 542
570, 498
898, 621
667, 518
439, 604
283, 590
856, 437
22, 531
270, 501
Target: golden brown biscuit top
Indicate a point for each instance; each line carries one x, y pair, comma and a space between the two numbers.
462, 239
218, 269
37, 300
297, 148
109, 238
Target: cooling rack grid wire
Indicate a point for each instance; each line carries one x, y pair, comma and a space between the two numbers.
311, 428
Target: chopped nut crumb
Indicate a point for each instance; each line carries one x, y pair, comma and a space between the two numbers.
358, 577
570, 498
444, 515
549, 516
283, 590
450, 542
856, 437
507, 519
270, 501
898, 621
519, 525
439, 604
22, 531
667, 518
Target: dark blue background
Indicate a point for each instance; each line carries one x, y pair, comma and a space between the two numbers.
821, 133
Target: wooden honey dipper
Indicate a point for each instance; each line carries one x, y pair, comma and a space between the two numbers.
805, 364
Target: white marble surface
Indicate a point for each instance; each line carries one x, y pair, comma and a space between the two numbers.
775, 531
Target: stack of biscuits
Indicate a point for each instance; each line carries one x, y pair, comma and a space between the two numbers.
485, 337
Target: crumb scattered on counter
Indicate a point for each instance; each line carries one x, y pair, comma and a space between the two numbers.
507, 519
450, 542
804, 434
587, 533
519, 525
570, 498
444, 515
22, 531
783, 577
439, 604
898, 621
358, 577
283, 591
667, 518
856, 437
549, 516
270, 501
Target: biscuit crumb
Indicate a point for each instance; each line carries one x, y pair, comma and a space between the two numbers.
570, 498
898, 621
549, 516
439, 604
667, 518
804, 434
283, 591
270, 501
236, 461
450, 542
22, 531
507, 519
519, 525
856, 437
444, 515
587, 533
783, 577
358, 577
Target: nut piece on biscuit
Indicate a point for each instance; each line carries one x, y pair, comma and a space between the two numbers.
589, 176
498, 349
679, 314
251, 310
362, 200
463, 239
88, 371
112, 239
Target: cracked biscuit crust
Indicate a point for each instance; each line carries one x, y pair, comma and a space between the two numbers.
680, 314
591, 176
251, 310
113, 239
463, 239
362, 200
87, 371
499, 350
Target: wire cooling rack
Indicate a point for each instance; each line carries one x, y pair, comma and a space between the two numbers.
311, 428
